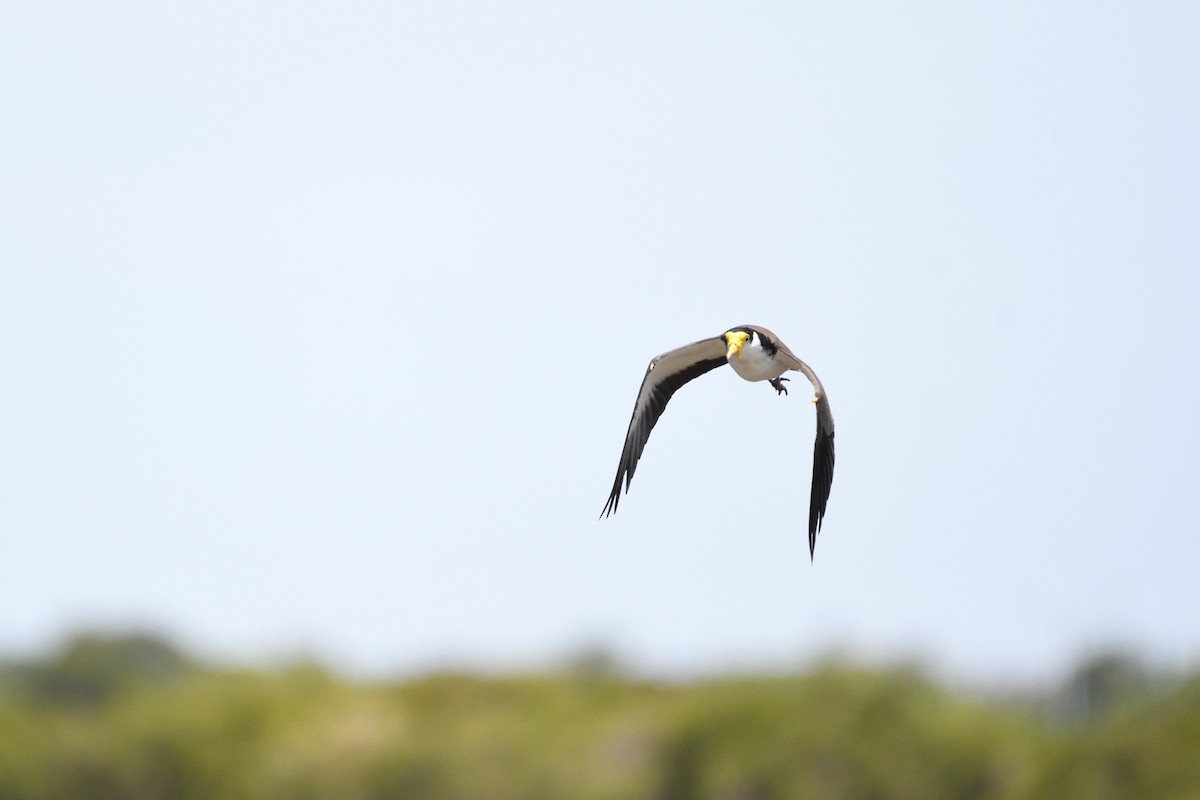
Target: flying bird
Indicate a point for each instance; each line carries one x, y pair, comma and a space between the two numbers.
755, 354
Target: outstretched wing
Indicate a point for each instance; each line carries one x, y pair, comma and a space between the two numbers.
823, 456
664, 376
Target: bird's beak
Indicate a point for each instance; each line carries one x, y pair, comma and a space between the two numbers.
736, 341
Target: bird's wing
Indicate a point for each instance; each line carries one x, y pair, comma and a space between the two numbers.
664, 376
823, 457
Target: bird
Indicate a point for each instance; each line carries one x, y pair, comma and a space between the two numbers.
755, 354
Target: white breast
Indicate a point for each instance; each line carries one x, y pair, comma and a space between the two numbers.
755, 364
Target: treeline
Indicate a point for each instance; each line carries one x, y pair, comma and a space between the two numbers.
132, 718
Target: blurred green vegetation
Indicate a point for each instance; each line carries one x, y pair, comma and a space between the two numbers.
132, 717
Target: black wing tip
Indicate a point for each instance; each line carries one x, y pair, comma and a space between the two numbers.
813, 529
822, 482
610, 507
614, 499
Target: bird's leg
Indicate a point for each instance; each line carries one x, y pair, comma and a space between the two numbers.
778, 384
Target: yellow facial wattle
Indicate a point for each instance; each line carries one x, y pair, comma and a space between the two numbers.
736, 341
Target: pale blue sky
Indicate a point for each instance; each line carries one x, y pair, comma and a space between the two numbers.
320, 326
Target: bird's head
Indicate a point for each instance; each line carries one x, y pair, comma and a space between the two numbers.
735, 340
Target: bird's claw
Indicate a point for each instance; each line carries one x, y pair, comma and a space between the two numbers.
778, 384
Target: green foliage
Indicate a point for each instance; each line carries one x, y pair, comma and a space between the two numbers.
92, 667
132, 719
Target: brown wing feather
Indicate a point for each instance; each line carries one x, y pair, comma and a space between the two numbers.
665, 375
823, 450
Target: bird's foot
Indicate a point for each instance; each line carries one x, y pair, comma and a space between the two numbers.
778, 384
